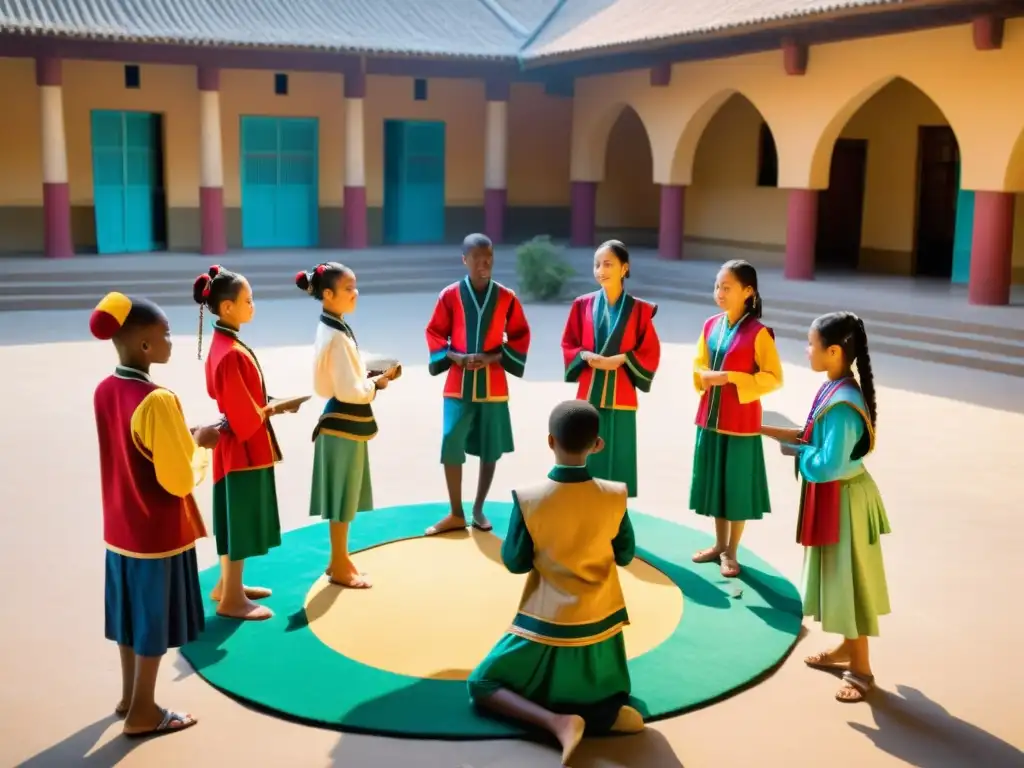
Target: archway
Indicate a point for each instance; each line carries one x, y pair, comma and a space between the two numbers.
894, 182
627, 203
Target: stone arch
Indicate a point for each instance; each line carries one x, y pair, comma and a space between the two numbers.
1013, 181
591, 148
627, 199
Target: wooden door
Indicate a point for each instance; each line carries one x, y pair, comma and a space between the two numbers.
939, 161
841, 207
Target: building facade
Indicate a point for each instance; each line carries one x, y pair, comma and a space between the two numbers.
881, 137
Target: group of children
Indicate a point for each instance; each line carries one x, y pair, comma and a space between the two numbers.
562, 664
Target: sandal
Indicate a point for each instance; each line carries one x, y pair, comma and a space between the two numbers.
855, 687
823, 660
184, 721
730, 567
709, 555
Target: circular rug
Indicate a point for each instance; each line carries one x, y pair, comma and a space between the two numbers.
393, 659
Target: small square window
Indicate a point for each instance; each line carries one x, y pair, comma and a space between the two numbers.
132, 76
419, 89
281, 84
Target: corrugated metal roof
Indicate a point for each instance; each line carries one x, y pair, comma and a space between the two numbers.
582, 25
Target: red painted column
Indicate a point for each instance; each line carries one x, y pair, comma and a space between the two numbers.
212, 234
991, 249
57, 242
584, 210
671, 222
496, 159
801, 234
356, 230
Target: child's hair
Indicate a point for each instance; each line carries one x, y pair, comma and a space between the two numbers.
846, 331
475, 240
619, 250
746, 276
117, 313
210, 289
323, 277
574, 425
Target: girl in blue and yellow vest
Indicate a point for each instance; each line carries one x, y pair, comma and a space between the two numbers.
736, 365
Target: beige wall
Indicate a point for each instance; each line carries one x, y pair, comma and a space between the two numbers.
628, 198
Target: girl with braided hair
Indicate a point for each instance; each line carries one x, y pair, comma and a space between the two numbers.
842, 517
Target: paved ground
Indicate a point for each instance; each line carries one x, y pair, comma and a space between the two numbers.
948, 463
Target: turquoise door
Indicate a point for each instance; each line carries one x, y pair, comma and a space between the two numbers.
280, 182
127, 180
963, 234
413, 182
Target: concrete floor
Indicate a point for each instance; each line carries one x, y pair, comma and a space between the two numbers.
948, 463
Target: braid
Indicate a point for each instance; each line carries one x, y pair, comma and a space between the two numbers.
864, 373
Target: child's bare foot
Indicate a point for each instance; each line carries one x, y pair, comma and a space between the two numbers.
730, 567
245, 609
253, 593
837, 658
480, 521
121, 710
449, 523
156, 721
569, 732
628, 721
709, 555
348, 576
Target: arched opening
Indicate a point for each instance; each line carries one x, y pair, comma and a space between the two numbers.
628, 199
894, 183
734, 208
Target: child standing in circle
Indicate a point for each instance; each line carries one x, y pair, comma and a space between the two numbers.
610, 346
736, 365
341, 462
245, 515
842, 517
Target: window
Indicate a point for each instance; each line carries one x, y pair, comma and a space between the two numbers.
132, 76
281, 84
419, 89
767, 159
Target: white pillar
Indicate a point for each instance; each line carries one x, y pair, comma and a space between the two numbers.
213, 232
356, 234
56, 195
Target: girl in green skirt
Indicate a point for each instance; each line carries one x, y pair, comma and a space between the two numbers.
736, 365
842, 517
341, 463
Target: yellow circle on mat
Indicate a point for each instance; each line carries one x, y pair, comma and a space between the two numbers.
439, 604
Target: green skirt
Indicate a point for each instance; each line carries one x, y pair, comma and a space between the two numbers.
245, 517
483, 430
341, 479
844, 584
729, 477
618, 459
591, 680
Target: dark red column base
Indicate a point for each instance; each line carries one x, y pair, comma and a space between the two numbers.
211, 210
494, 214
801, 234
356, 235
57, 221
991, 249
584, 209
671, 222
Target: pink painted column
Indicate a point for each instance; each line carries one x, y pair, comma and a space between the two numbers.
991, 249
801, 234
213, 237
584, 209
56, 196
496, 160
670, 222
356, 233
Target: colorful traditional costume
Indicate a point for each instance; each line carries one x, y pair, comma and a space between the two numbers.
341, 461
842, 517
150, 520
565, 650
245, 516
729, 475
625, 328
465, 321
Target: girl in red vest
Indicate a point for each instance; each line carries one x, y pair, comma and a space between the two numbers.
736, 365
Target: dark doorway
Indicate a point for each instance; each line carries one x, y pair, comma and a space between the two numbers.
939, 158
841, 207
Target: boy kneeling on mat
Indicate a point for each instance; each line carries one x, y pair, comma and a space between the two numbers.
562, 664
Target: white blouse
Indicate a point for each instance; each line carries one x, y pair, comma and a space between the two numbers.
338, 368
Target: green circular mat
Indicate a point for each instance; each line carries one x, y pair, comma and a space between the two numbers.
722, 642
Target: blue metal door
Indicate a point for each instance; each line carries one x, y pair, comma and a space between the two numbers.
964, 234
280, 182
414, 181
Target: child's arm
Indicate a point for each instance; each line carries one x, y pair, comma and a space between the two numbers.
572, 343
244, 417
439, 333
517, 341
624, 543
642, 361
753, 386
782, 434
158, 426
841, 428
348, 373
701, 362
517, 548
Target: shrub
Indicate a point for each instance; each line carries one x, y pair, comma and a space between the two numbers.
542, 268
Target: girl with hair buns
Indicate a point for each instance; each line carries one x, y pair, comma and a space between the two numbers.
736, 365
842, 517
341, 484
245, 515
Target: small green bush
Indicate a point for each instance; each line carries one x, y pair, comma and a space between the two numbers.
542, 268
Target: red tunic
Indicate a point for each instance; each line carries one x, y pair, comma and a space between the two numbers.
466, 323
234, 379
140, 517
633, 334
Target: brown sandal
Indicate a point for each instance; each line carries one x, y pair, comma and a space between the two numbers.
823, 660
855, 687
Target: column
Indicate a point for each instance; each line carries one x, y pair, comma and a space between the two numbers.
213, 239
496, 160
584, 206
801, 234
56, 197
991, 249
670, 222
355, 162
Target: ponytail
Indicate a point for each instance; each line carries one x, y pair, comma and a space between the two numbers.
323, 277
754, 305
864, 373
214, 286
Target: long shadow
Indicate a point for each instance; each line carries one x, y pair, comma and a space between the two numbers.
783, 609
921, 732
209, 648
77, 749
693, 586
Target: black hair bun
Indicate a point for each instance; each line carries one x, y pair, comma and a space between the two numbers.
302, 281
201, 289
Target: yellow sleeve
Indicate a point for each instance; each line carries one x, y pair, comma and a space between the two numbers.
750, 387
159, 426
700, 363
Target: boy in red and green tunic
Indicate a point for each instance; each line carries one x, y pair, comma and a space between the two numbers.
478, 334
